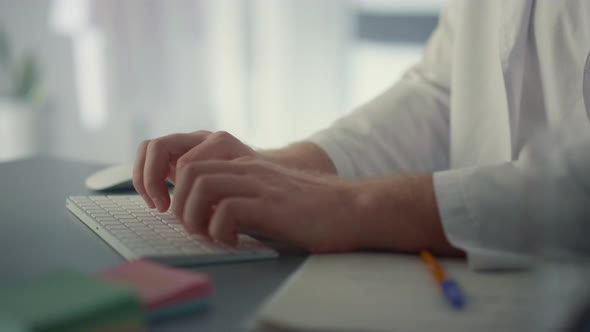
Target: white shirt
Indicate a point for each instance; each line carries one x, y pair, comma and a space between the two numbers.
494, 76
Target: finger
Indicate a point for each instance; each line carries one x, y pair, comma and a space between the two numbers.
218, 146
186, 177
172, 174
207, 191
200, 136
230, 214
160, 153
138, 173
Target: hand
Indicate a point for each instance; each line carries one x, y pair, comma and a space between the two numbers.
159, 159
216, 198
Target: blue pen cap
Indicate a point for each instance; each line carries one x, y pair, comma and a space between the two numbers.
453, 293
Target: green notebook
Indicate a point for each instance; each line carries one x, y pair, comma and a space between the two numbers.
68, 301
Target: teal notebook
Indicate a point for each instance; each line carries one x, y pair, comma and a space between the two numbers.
156, 316
68, 301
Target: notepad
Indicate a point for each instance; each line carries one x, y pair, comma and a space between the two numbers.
68, 301
390, 292
165, 291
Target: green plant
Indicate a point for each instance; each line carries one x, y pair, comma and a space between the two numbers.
20, 78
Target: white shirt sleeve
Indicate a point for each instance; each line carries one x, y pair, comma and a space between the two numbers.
405, 129
480, 209
503, 215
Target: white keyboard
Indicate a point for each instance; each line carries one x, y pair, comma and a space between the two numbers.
135, 231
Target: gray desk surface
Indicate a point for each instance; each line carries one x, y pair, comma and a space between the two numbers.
38, 235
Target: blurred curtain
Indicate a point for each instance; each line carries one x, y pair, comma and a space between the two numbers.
268, 71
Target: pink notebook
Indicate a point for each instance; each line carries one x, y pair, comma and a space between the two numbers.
160, 286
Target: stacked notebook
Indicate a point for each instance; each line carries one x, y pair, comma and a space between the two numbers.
120, 299
164, 291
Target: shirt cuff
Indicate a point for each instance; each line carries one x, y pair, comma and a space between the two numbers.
461, 222
337, 155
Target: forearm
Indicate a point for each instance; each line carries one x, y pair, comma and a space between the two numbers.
401, 214
304, 156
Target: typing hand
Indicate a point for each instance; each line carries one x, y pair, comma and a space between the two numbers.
159, 159
215, 198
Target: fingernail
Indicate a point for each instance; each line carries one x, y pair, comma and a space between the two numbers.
159, 204
148, 201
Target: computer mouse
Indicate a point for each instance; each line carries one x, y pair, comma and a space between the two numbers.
114, 178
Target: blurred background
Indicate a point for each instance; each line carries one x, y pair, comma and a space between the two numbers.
90, 79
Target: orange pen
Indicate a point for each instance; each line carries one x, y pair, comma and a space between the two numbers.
451, 290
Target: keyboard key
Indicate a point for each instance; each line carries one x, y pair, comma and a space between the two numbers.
127, 234
129, 222
131, 240
127, 218
95, 210
150, 218
109, 218
177, 239
164, 229
158, 228
109, 222
111, 227
89, 205
120, 213
161, 214
149, 235
139, 228
174, 223
100, 215
179, 229
135, 208
109, 205
151, 222
142, 215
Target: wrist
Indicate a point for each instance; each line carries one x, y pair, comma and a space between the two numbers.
400, 213
304, 156
395, 213
364, 214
